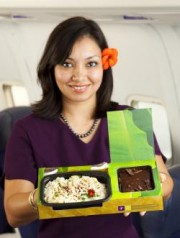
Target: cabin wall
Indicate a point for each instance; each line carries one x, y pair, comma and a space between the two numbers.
21, 45
148, 63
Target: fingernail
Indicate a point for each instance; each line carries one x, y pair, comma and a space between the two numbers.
142, 213
126, 214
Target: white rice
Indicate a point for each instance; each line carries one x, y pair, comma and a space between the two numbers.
75, 189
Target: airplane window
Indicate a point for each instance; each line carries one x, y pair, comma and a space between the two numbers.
160, 125
15, 95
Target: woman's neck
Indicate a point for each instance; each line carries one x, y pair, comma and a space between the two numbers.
79, 110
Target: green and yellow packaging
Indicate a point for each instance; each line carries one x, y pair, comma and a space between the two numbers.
131, 145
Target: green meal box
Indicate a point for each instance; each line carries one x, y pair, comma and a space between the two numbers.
131, 181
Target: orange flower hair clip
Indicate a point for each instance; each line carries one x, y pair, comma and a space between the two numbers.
109, 57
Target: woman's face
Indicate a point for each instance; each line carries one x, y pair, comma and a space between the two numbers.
80, 76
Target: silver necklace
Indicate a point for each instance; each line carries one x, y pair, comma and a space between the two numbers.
80, 136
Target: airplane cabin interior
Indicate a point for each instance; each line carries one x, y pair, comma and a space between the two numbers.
147, 36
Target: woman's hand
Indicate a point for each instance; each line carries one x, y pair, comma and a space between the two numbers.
165, 178
17, 202
126, 214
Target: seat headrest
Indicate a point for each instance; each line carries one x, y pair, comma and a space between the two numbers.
7, 119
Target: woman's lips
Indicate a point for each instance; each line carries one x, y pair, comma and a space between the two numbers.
79, 89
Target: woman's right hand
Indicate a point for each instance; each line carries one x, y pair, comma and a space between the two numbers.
17, 205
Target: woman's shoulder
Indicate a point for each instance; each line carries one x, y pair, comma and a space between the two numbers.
116, 106
29, 119
32, 121
124, 107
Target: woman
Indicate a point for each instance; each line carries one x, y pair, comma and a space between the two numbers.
68, 127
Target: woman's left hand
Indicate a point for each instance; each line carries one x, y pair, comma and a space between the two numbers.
165, 178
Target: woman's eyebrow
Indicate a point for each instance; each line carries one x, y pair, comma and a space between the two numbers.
94, 56
88, 58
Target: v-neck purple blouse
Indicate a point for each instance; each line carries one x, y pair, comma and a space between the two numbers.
36, 142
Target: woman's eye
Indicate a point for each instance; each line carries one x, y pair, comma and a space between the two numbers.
92, 64
67, 65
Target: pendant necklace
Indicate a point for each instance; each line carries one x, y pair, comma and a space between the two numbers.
80, 136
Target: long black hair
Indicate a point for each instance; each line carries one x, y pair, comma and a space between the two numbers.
57, 50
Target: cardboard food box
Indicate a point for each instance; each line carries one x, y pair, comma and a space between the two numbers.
131, 180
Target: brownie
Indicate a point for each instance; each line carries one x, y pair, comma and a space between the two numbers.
134, 179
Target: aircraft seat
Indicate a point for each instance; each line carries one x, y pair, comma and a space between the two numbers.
7, 119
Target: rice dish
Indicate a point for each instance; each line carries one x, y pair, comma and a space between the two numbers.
74, 189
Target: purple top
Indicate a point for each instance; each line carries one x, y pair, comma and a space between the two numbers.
36, 142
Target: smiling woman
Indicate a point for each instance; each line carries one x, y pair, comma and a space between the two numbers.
67, 127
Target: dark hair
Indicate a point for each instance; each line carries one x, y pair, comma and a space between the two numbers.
57, 50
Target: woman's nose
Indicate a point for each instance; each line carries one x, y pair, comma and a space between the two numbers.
79, 73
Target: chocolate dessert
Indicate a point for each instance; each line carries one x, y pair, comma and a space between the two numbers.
134, 179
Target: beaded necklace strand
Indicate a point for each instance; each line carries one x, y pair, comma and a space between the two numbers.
80, 136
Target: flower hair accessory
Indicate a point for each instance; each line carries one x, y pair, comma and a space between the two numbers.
109, 57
